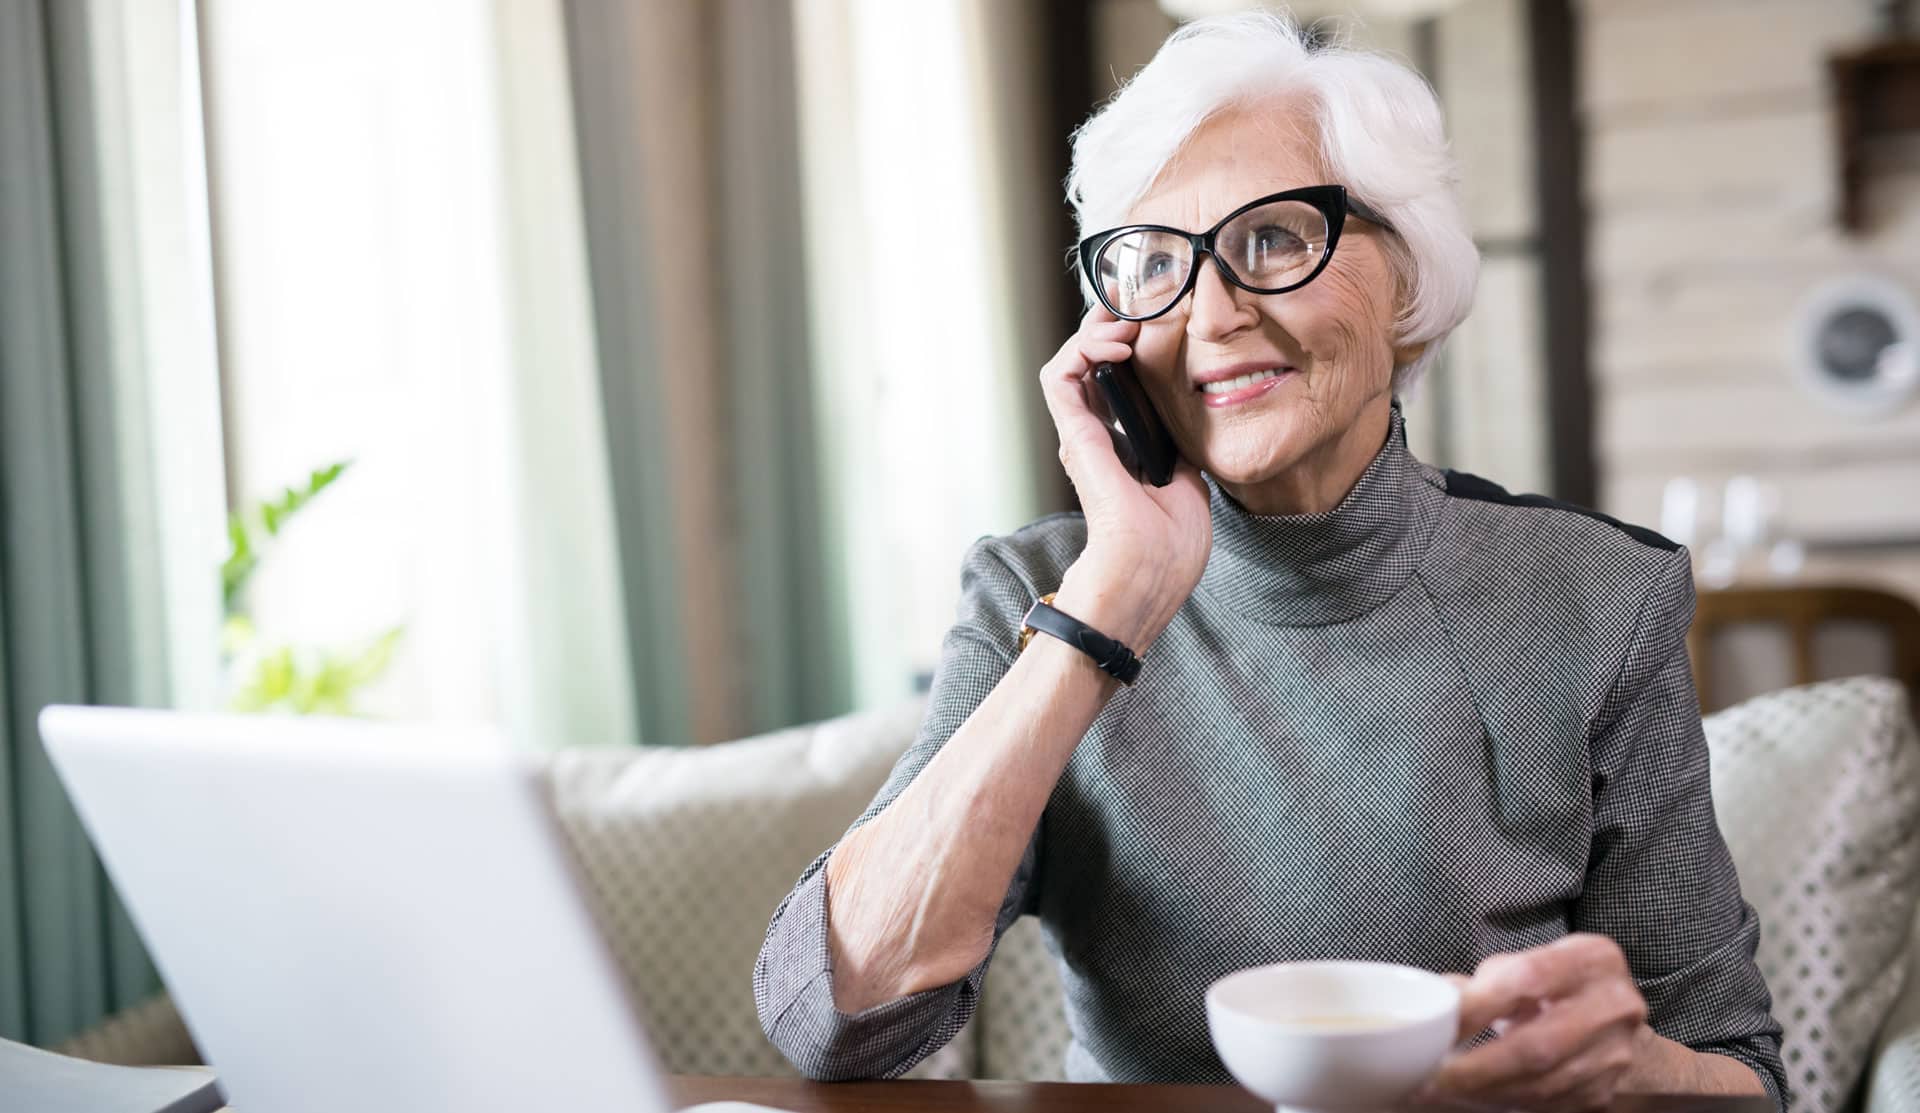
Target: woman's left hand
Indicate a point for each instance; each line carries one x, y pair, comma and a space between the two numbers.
1570, 1021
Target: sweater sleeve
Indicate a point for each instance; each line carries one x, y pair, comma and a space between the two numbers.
1660, 881
793, 977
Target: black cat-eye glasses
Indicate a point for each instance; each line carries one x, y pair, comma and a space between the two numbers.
1270, 245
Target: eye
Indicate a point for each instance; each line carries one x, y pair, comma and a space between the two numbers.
1157, 264
1274, 238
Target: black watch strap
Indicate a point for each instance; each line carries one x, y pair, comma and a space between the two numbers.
1114, 659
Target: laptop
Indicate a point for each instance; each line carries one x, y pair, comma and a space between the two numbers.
355, 915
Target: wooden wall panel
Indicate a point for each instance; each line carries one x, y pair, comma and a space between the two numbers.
1710, 185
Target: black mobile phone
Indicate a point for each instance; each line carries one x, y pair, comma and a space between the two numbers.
1140, 436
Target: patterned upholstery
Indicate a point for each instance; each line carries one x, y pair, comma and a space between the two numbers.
1893, 1083
687, 851
150, 1033
1023, 1014
1818, 792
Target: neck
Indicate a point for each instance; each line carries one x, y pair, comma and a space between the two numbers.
1312, 569
1318, 482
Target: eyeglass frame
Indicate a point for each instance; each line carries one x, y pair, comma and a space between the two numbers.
1333, 201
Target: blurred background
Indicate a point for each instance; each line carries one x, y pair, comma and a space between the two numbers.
639, 372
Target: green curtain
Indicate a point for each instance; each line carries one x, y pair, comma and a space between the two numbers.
69, 632
797, 646
750, 637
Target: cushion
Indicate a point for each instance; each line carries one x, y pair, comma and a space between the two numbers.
1817, 790
149, 1033
1893, 1082
686, 853
1023, 1010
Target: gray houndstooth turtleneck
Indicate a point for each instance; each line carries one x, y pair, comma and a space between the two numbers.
1433, 724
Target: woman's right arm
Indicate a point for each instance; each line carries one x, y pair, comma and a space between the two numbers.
907, 907
913, 896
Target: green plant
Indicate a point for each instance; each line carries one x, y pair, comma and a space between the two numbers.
302, 680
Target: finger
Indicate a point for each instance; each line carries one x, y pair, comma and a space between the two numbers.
1066, 387
1535, 1048
1587, 1081
1086, 448
1063, 379
1491, 1067
1596, 1096
1518, 1013
1479, 1015
1072, 360
1494, 991
1096, 352
1124, 331
1504, 982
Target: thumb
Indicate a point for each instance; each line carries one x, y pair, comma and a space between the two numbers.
1491, 1002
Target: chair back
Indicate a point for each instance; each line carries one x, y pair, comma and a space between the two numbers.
1746, 640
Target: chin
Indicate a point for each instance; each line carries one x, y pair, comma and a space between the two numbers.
1246, 456
1247, 464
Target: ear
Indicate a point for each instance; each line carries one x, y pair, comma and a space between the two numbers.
1405, 354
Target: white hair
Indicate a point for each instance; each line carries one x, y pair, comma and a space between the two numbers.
1380, 133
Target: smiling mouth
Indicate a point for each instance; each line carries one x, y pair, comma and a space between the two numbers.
1241, 382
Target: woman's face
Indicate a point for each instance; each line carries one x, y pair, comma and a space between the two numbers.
1333, 337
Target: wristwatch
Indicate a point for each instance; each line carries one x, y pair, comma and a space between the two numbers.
1114, 658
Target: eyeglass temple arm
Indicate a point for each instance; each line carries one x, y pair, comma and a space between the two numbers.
1366, 212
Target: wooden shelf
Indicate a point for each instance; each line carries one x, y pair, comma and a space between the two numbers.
1876, 95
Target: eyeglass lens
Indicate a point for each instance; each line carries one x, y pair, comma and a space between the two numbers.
1268, 248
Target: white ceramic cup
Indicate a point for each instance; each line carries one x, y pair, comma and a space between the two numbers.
1271, 1026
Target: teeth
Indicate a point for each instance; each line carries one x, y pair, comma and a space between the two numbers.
1227, 386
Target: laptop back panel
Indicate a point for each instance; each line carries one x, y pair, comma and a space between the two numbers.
358, 916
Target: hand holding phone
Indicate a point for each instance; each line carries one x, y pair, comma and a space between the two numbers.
1148, 523
1140, 436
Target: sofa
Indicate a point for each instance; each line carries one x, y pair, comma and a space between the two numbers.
1818, 789
686, 852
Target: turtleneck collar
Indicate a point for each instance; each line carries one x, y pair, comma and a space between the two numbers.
1315, 569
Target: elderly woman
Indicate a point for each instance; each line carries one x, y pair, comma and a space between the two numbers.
1384, 712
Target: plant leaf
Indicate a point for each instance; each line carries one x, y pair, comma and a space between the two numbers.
243, 553
366, 666
274, 512
239, 564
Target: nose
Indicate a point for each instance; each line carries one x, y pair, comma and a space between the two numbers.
1217, 312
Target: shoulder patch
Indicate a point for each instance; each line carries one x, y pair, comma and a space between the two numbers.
1464, 485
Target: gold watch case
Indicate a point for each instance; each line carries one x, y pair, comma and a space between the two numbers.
1027, 632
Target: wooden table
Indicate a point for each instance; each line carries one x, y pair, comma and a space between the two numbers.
1059, 1097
